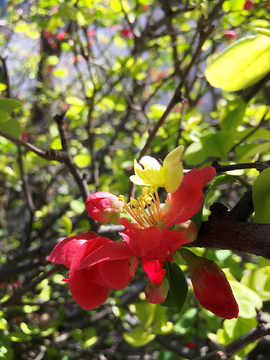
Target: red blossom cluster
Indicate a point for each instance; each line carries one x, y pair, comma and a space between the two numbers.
97, 264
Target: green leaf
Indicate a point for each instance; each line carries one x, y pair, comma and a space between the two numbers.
219, 180
144, 311
77, 206
138, 337
262, 31
66, 222
4, 116
29, 329
247, 299
9, 105
261, 197
214, 145
90, 336
82, 160
178, 286
160, 324
235, 328
259, 281
231, 113
242, 64
12, 127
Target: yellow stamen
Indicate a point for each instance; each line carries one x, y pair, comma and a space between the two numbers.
145, 210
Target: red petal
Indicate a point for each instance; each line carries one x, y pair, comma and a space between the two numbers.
113, 250
115, 273
87, 294
154, 270
63, 252
152, 243
186, 201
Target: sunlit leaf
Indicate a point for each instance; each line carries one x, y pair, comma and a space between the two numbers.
247, 299
240, 65
138, 337
9, 105
261, 197
259, 281
12, 127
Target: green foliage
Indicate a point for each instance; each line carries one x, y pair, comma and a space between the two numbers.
261, 197
178, 287
241, 65
113, 67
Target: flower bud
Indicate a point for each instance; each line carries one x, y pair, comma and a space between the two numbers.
211, 286
104, 207
188, 228
156, 294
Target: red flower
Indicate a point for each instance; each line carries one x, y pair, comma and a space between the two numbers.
90, 32
104, 207
150, 236
127, 33
248, 5
96, 264
61, 35
211, 286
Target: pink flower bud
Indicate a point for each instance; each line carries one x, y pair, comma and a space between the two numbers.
156, 294
211, 286
104, 207
229, 34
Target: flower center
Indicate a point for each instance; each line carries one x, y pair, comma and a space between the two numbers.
145, 210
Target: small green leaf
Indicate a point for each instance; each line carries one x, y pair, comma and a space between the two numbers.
66, 222
82, 160
242, 64
138, 337
178, 286
9, 105
261, 197
259, 281
219, 180
12, 127
4, 116
160, 324
77, 206
247, 299
144, 311
29, 329
263, 31
231, 113
235, 328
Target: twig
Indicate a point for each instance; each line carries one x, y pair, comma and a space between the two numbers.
238, 344
261, 124
30, 286
177, 97
223, 168
6, 76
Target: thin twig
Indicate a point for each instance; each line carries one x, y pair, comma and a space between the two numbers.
30, 286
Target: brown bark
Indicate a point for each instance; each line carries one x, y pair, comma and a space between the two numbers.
223, 231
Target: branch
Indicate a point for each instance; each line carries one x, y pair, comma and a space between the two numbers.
260, 166
238, 344
223, 231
